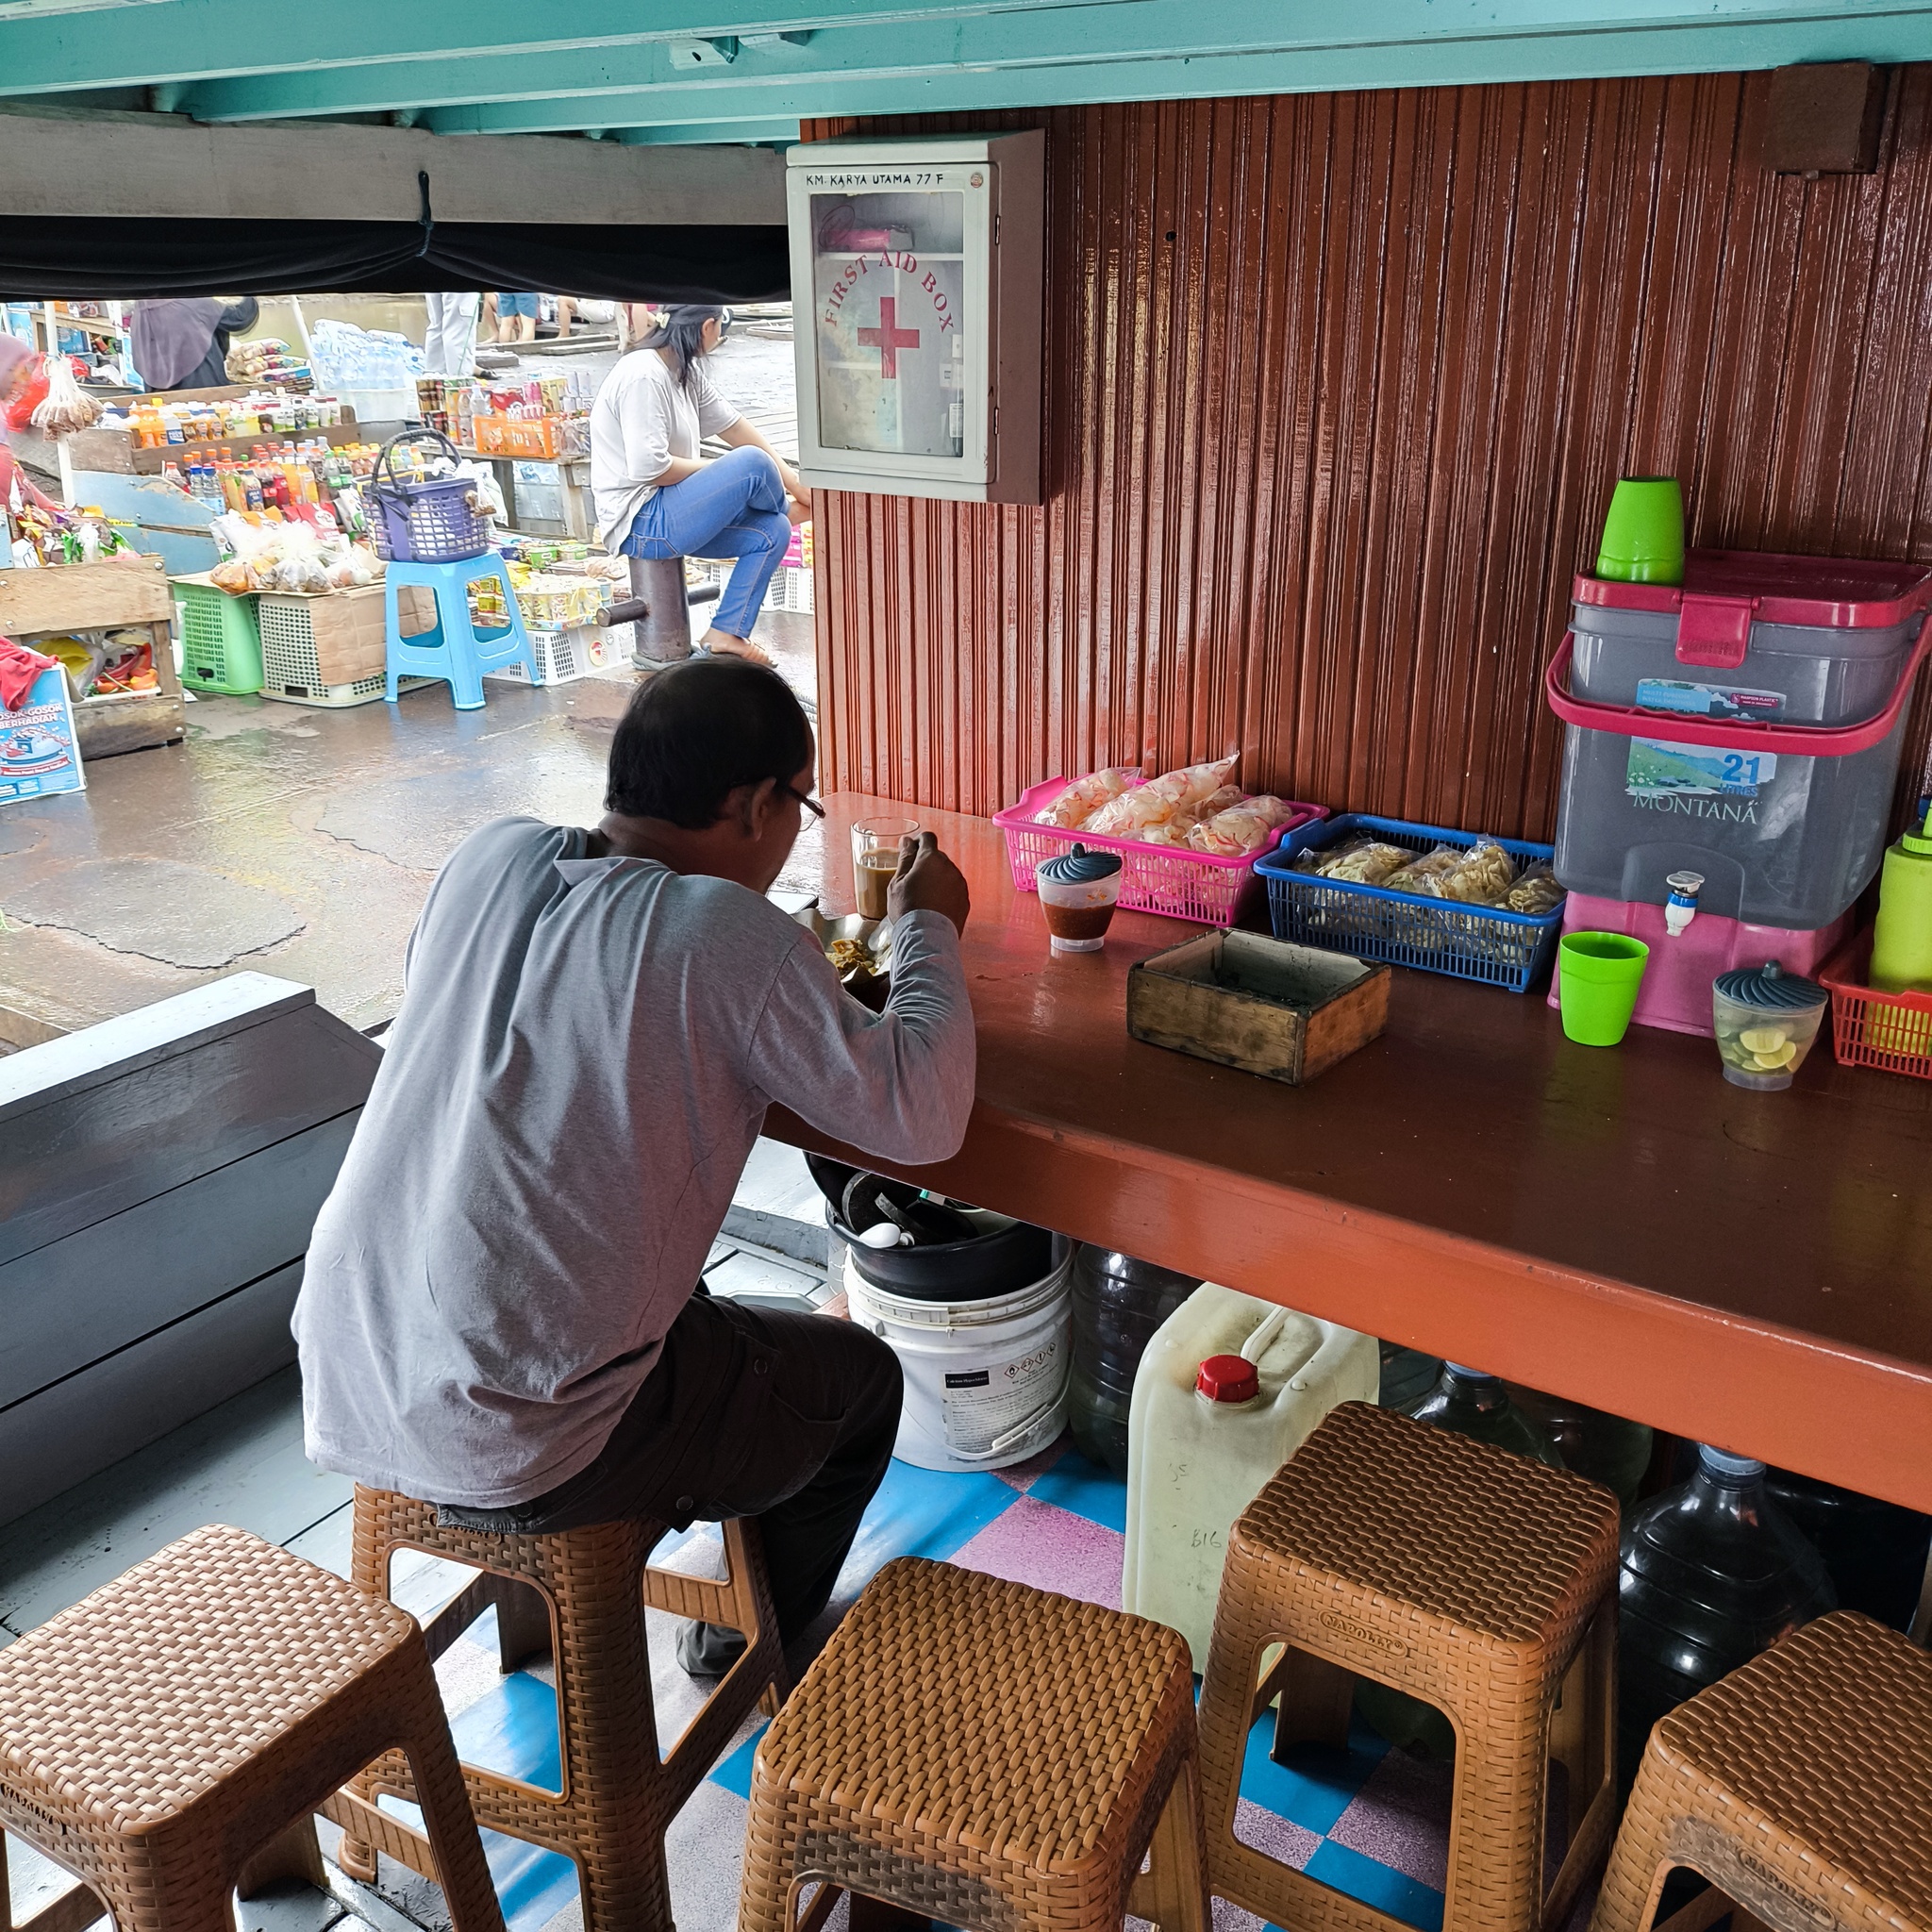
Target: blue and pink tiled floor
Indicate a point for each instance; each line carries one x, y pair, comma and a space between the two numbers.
1370, 1822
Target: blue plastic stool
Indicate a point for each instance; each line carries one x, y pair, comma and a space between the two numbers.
454, 651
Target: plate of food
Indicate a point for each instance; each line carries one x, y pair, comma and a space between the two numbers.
859, 949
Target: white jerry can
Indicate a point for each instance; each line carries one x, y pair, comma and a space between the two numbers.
1228, 1389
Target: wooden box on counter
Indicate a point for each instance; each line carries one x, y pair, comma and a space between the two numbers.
1244, 1000
115, 594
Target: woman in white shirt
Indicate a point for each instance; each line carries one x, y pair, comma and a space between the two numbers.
657, 497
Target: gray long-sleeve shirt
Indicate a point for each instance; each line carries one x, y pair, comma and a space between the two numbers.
582, 1062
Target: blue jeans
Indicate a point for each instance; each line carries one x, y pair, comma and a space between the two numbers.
732, 507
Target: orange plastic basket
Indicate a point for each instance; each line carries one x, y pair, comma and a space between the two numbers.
512, 435
1888, 1030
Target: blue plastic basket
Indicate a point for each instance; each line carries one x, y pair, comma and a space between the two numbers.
1508, 949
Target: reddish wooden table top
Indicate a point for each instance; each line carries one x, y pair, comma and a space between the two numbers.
1623, 1227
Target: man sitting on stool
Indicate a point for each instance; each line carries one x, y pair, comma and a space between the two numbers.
498, 1312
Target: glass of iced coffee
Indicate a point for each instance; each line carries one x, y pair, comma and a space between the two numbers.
875, 859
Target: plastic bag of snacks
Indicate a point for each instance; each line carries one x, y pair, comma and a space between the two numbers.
1366, 861
1240, 828
294, 558
1476, 874
1160, 800
64, 409
1535, 892
1071, 808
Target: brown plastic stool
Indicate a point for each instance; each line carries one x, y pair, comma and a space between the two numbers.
169, 1738
579, 1594
991, 1755
1800, 1786
1475, 1579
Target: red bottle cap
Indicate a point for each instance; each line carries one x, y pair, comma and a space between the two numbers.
1228, 1378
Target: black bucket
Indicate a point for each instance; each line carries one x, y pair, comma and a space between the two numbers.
979, 1267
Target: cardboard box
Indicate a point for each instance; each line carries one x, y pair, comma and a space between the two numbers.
338, 639
39, 754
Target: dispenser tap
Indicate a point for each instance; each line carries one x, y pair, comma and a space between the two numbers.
1680, 909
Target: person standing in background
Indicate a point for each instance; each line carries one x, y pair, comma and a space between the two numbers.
451, 339
17, 490
184, 343
516, 317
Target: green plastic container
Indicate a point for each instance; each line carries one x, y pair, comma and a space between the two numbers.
1601, 972
1902, 940
220, 639
1643, 533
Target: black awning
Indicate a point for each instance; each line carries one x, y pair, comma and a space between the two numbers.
124, 258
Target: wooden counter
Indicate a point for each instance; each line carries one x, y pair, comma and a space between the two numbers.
1622, 1227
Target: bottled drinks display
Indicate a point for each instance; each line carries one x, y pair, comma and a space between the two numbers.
1117, 1304
275, 481
1710, 1574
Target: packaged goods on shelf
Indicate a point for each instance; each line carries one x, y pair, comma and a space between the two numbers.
346, 356
163, 422
292, 559
67, 535
554, 602
268, 360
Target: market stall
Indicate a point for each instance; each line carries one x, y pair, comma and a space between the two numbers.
109, 623
166, 466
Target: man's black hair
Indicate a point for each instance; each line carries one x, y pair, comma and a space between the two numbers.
696, 731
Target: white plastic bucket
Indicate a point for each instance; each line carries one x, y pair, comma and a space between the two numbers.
986, 1381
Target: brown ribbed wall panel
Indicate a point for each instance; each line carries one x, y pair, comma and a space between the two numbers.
1337, 387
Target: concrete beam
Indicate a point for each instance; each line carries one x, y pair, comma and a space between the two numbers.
128, 164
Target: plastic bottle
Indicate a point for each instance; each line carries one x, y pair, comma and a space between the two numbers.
1605, 1447
1228, 1389
1408, 1376
1117, 1304
1874, 1552
1711, 1572
1902, 940
1470, 1402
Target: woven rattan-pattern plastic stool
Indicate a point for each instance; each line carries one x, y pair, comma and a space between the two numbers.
579, 1594
170, 1737
1800, 1786
1477, 1580
991, 1756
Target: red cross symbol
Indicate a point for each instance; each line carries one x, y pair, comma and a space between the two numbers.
889, 337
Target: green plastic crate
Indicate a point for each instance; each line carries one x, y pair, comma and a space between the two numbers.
220, 639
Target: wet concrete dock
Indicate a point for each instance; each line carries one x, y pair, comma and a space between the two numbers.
297, 840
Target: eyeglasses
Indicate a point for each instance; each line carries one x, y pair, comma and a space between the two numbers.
811, 805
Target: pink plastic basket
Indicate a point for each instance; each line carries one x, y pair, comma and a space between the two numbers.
1154, 878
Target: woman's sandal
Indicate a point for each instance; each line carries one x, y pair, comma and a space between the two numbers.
751, 653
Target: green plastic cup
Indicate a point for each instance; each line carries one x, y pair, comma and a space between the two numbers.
1596, 992
1643, 533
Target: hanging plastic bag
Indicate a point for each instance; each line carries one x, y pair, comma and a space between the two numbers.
64, 409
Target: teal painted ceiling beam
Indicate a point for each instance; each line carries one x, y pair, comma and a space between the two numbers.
1130, 49
711, 134
161, 40
1707, 50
